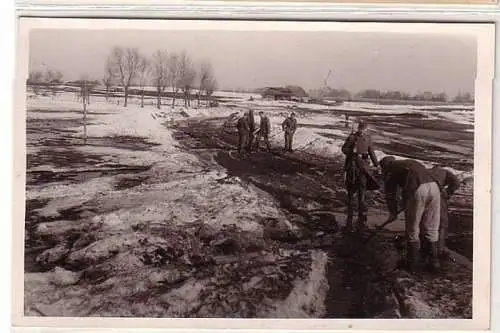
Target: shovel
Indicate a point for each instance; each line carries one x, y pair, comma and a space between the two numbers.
377, 229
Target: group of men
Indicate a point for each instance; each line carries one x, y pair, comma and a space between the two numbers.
249, 136
422, 193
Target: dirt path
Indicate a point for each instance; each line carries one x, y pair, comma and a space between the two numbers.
309, 191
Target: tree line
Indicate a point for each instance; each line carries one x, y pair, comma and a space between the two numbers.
48, 79
127, 67
345, 94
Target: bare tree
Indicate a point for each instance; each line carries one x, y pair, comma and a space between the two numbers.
187, 77
51, 79
90, 86
35, 77
173, 75
107, 81
35, 80
187, 84
206, 79
205, 70
210, 88
160, 71
143, 75
124, 66
84, 93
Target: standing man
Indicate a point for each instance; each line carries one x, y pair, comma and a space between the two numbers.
243, 132
358, 149
264, 130
449, 183
421, 199
289, 126
251, 129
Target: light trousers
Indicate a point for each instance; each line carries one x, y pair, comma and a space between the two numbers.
423, 212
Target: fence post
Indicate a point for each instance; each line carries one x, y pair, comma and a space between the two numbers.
84, 100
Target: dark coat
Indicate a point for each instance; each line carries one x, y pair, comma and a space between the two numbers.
265, 126
289, 125
243, 125
251, 121
407, 175
359, 143
355, 165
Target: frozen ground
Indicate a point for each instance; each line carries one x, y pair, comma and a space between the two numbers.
151, 217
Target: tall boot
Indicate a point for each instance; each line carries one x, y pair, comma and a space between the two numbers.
434, 265
424, 250
361, 223
348, 225
412, 256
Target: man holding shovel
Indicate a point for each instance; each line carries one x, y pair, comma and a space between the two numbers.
422, 204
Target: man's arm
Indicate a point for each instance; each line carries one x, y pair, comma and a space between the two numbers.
373, 157
451, 182
390, 190
348, 145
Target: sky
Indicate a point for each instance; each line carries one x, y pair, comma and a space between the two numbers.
252, 59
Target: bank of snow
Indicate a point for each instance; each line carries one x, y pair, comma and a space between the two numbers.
188, 240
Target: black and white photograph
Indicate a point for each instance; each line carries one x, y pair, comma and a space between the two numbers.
254, 170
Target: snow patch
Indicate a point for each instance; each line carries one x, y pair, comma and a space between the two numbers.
307, 298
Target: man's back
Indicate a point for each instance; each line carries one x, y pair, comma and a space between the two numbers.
251, 121
265, 125
408, 174
446, 179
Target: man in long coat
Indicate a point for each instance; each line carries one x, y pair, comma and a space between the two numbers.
421, 201
358, 149
264, 130
289, 126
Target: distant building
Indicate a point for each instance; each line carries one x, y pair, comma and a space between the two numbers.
288, 93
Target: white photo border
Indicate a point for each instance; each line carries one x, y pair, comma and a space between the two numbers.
484, 33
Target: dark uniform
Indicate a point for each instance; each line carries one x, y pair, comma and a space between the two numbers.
243, 133
449, 184
264, 130
358, 149
289, 126
251, 129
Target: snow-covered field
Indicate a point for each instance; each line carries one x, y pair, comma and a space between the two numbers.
179, 195
80, 191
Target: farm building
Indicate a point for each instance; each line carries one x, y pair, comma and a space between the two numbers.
284, 93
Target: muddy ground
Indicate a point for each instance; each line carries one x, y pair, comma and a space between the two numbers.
362, 278
301, 180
